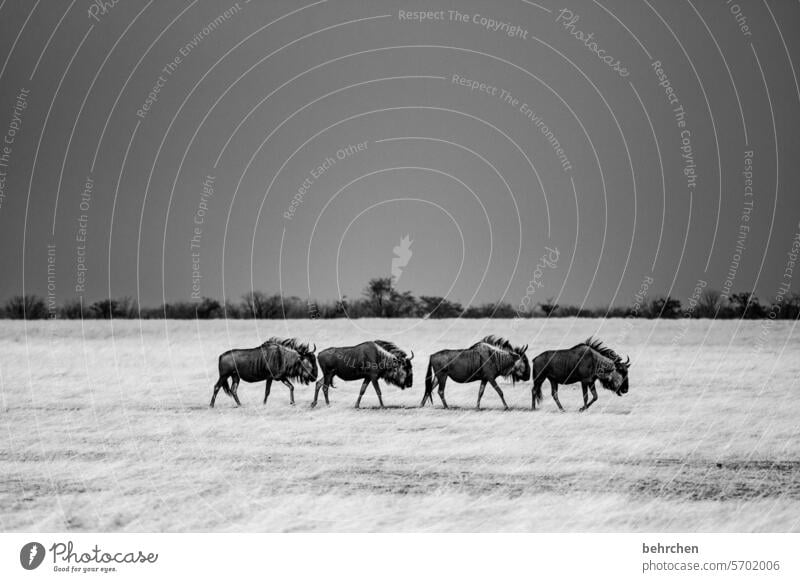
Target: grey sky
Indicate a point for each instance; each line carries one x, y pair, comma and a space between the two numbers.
474, 176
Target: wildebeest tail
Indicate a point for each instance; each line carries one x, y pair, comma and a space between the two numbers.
226, 387
538, 375
223, 375
537, 392
429, 378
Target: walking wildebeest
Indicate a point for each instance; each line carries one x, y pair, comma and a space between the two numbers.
275, 359
584, 363
485, 361
368, 361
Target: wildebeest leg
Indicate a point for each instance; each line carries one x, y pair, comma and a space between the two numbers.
316, 392
441, 380
325, 394
429, 395
480, 394
234, 389
378, 391
217, 386
361, 393
594, 395
291, 391
499, 392
267, 389
536, 389
554, 392
324, 383
585, 388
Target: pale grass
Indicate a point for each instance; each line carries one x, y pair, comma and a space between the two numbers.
106, 426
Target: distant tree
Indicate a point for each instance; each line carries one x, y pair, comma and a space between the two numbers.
591, 312
490, 310
208, 308
708, 304
232, 311
790, 308
501, 310
152, 312
746, 305
568, 311
25, 307
378, 291
341, 307
621, 312
548, 307
102, 309
436, 307
178, 310
665, 307
259, 305
71, 309
474, 312
123, 308
402, 304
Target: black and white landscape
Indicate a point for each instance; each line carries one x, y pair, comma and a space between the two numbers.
183, 178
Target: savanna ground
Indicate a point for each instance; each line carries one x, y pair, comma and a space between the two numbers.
106, 426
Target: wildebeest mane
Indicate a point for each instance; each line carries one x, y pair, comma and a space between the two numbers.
283, 358
502, 358
392, 349
600, 347
291, 343
498, 342
391, 360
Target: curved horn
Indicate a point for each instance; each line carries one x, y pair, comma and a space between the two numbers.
314, 349
525, 348
628, 362
412, 355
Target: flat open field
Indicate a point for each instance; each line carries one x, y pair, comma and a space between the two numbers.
106, 426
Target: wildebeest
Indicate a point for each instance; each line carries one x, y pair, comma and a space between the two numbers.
368, 361
584, 363
275, 359
485, 361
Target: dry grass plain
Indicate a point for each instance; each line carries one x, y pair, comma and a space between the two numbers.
106, 426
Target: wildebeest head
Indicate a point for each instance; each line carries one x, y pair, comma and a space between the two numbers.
617, 379
622, 369
299, 360
396, 366
521, 371
308, 363
511, 360
405, 372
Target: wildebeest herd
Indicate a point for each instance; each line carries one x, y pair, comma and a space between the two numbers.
285, 360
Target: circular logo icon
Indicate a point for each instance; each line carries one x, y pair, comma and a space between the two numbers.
31, 555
